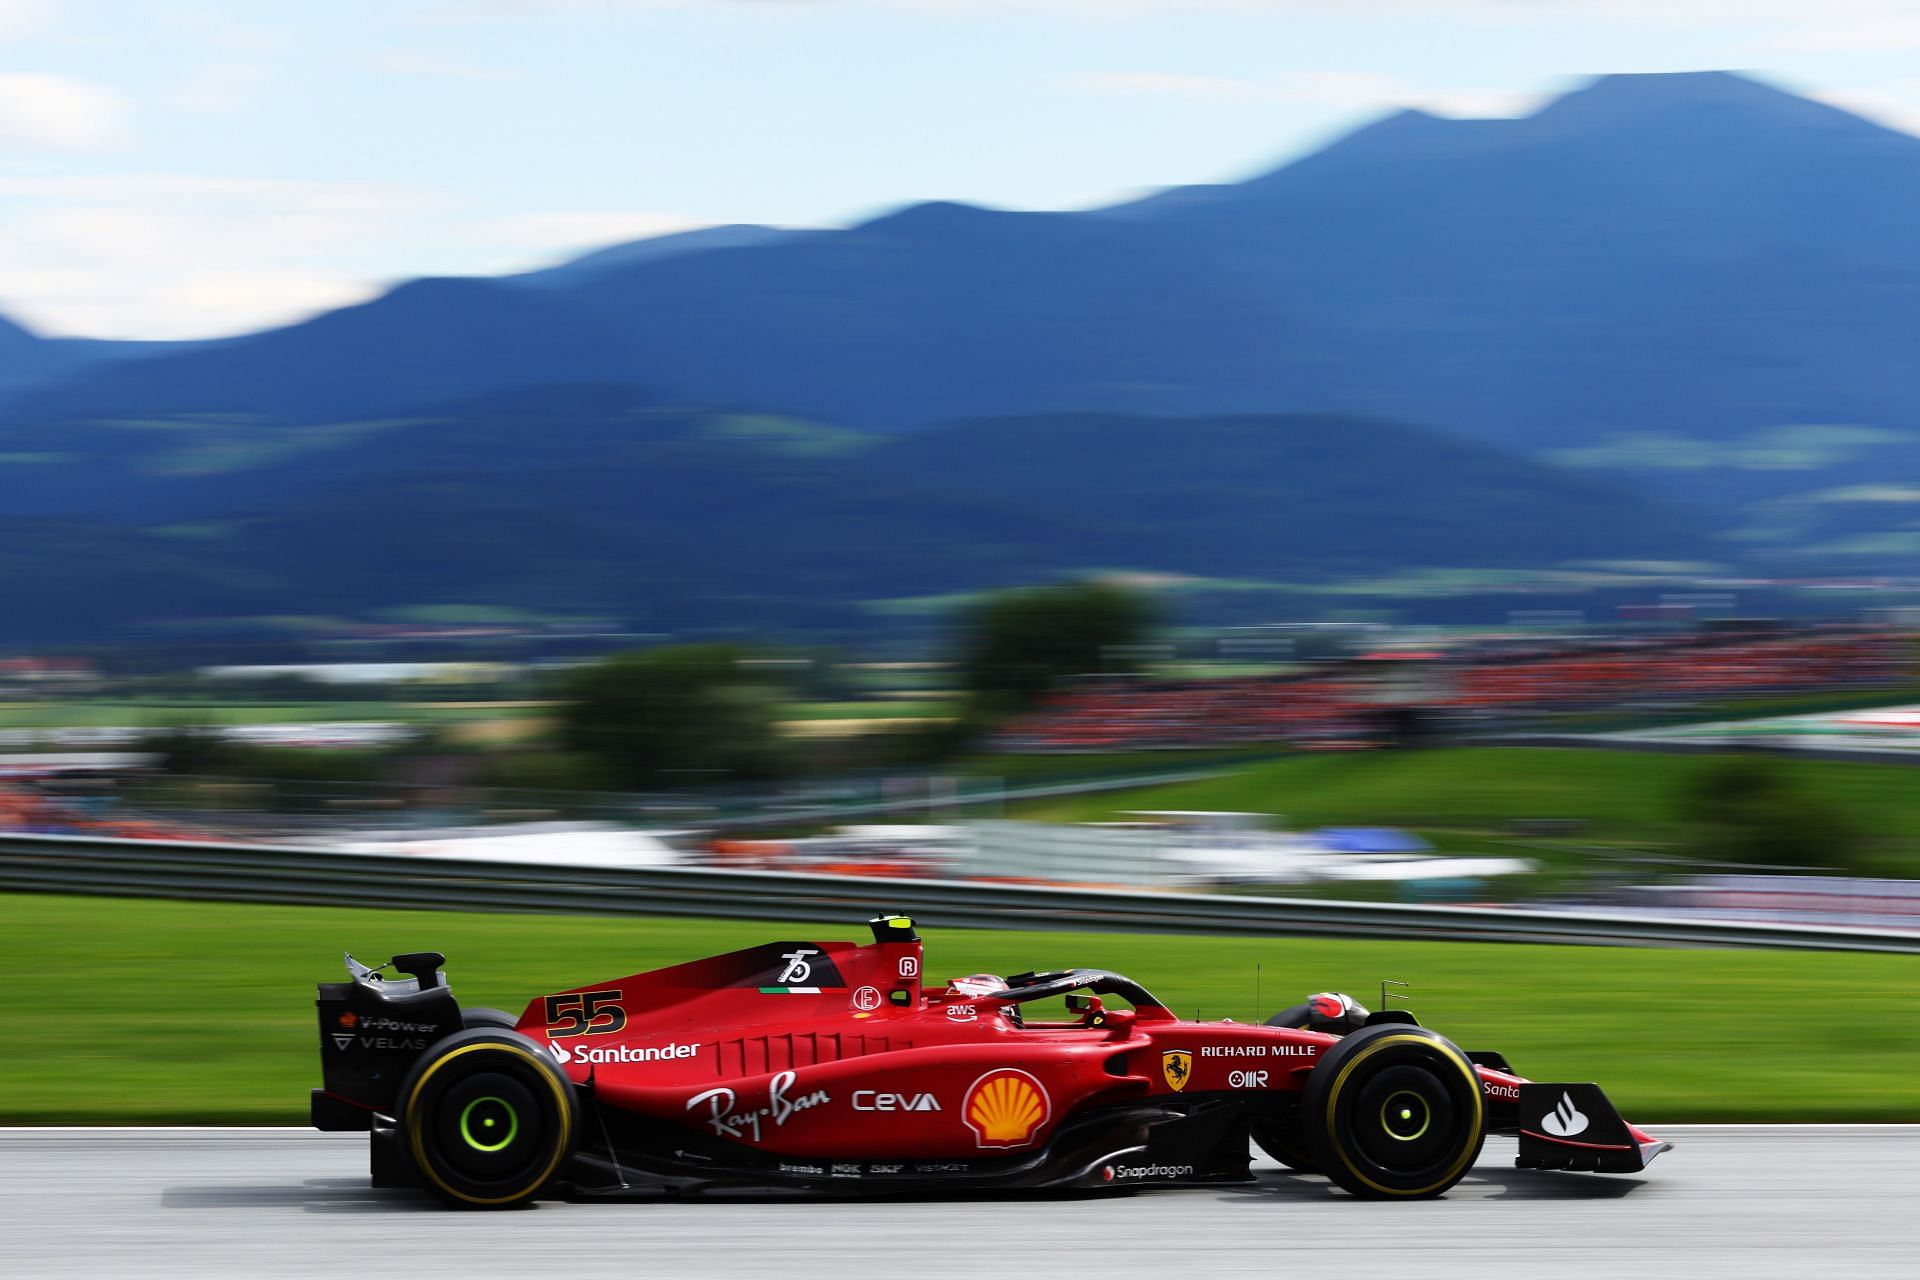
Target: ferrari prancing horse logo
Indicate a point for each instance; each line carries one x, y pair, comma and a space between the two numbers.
1178, 1066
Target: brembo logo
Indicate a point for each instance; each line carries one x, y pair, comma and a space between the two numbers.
1565, 1120
595, 1055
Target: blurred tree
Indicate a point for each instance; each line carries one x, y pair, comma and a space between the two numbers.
186, 750
1020, 645
689, 713
1752, 811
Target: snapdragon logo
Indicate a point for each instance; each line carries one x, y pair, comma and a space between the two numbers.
597, 1055
1127, 1172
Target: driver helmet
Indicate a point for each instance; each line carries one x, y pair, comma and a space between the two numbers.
977, 984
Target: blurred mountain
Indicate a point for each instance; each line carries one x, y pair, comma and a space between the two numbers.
739, 235
1697, 254
605, 501
28, 360
1698, 284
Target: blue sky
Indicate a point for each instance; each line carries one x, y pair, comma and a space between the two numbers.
176, 169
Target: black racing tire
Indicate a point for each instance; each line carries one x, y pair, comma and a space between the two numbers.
486, 1119
1394, 1112
481, 1016
1282, 1141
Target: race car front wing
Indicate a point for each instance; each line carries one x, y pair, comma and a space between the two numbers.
1573, 1127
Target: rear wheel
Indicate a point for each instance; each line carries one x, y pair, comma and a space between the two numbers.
486, 1119
1394, 1112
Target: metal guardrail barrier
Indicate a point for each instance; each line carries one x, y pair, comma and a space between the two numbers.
272, 874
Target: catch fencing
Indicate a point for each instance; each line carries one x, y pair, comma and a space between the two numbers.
85, 865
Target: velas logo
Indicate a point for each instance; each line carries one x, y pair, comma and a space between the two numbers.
1565, 1120
1177, 1066
597, 1055
1006, 1108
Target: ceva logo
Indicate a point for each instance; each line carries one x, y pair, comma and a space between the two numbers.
1565, 1120
872, 1100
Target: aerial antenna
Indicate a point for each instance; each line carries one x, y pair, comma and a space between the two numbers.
1256, 992
1386, 995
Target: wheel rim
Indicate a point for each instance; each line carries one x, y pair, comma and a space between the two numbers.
488, 1131
493, 1128
1405, 1116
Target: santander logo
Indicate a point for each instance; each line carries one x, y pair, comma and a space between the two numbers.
1565, 1120
597, 1055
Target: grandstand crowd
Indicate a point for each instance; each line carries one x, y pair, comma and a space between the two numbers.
1356, 704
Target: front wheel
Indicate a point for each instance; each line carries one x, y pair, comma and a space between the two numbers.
1394, 1112
486, 1119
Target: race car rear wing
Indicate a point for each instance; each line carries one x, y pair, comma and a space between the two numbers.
372, 1028
1573, 1127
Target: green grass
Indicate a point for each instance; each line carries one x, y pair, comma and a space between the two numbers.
125, 1010
1619, 793
1715, 712
1037, 770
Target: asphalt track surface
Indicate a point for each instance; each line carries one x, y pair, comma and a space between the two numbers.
1808, 1202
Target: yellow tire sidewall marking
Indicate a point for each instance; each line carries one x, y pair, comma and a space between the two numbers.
414, 1131
1333, 1107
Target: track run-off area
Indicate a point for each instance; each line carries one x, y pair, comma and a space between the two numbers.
1748, 1201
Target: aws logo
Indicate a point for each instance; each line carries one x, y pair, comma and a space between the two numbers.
1006, 1108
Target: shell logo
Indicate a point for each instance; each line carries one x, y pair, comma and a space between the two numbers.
1006, 1108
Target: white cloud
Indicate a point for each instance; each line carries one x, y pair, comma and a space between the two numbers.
1344, 89
402, 63
60, 113
550, 232
1896, 105
1875, 35
192, 255
181, 255
22, 17
221, 87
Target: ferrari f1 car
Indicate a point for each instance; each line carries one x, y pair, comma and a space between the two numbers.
829, 1066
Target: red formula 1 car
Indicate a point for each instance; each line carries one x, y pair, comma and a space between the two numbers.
828, 1066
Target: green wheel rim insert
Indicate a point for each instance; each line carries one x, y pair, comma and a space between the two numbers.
1400, 1111
489, 1125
